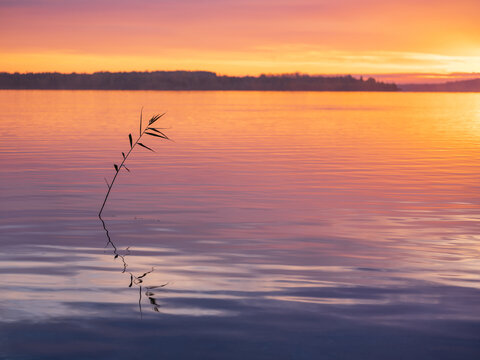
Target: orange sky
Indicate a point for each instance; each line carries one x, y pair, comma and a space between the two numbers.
242, 37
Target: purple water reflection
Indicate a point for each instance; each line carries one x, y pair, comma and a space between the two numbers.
287, 225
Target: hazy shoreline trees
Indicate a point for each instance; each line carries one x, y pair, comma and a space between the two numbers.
188, 80
471, 85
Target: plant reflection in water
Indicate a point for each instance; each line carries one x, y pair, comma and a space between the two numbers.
134, 279
156, 132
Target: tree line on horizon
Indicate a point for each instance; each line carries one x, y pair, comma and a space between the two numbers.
188, 80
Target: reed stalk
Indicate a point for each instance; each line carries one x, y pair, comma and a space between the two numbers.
147, 130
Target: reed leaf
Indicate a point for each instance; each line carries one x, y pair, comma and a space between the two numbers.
155, 133
144, 274
156, 287
155, 118
146, 147
160, 136
158, 132
152, 300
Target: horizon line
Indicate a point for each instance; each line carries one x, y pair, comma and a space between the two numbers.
400, 78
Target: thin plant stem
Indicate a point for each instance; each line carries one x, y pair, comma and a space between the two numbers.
154, 132
116, 174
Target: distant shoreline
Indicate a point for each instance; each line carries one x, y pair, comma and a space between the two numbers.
463, 86
210, 81
188, 81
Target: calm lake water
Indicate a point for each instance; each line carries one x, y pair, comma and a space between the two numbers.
277, 226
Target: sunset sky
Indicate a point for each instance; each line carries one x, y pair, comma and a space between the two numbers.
390, 37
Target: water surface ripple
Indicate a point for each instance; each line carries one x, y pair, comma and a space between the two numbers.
277, 226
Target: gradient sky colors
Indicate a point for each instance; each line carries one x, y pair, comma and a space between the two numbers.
431, 37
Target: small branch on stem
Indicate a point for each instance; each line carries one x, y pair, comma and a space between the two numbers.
153, 132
